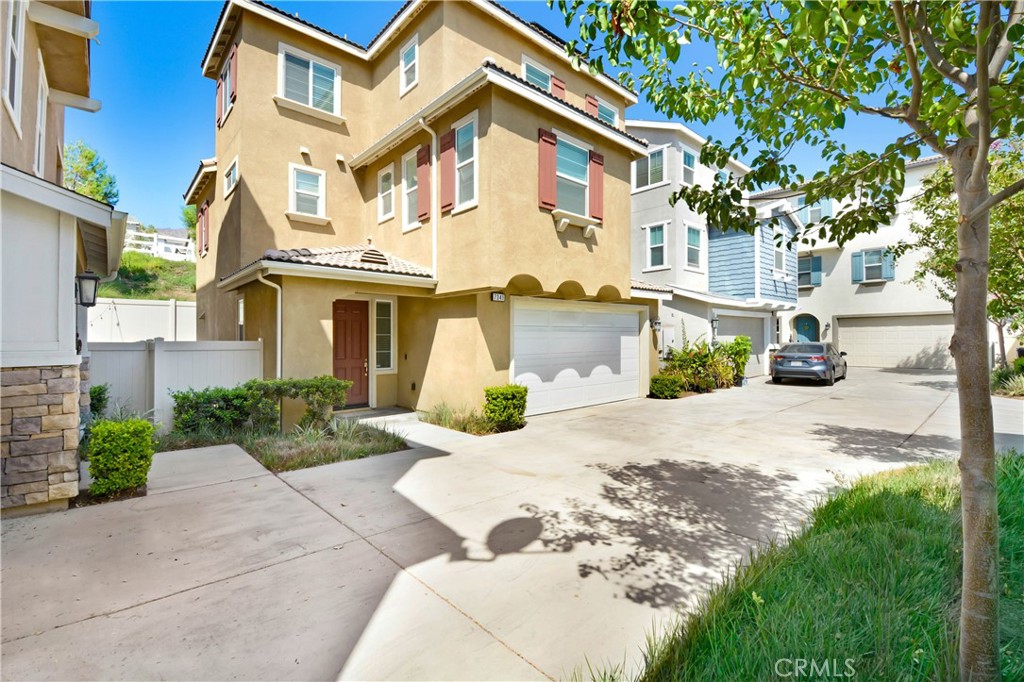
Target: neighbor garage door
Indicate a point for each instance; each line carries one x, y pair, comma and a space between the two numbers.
731, 326
575, 354
912, 341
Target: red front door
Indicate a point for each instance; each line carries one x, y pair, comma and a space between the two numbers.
352, 348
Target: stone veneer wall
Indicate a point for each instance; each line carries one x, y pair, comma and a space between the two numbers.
39, 418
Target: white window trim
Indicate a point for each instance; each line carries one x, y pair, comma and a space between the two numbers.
240, 318
42, 99
537, 65
880, 265
229, 190
409, 222
809, 272
285, 48
13, 103
460, 205
779, 247
683, 150
393, 302
664, 170
381, 216
576, 142
321, 199
413, 42
225, 92
603, 102
701, 248
664, 225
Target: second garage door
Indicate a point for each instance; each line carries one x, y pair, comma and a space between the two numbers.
731, 326
911, 341
575, 354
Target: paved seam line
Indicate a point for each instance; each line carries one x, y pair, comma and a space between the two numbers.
207, 485
925, 421
421, 582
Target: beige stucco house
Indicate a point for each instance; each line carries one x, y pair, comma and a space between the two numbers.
48, 234
445, 209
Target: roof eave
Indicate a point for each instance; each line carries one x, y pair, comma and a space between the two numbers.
269, 267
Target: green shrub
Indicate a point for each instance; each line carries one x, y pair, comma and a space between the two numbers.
99, 397
321, 394
223, 410
701, 366
1014, 386
505, 406
458, 419
120, 454
1018, 365
738, 351
666, 386
1001, 375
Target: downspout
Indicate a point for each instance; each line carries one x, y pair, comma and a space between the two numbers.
434, 191
259, 276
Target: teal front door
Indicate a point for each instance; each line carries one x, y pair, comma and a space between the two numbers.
807, 329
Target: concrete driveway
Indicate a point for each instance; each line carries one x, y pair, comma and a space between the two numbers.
520, 556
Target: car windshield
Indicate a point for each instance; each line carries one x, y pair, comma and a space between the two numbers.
801, 348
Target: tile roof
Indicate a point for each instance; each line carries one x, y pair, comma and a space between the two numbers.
363, 257
647, 286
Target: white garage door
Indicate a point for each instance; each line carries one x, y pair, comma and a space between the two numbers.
575, 354
912, 341
731, 326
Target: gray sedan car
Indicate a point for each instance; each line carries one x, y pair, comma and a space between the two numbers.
819, 361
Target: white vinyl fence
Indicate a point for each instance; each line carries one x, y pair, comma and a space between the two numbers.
162, 245
129, 319
142, 374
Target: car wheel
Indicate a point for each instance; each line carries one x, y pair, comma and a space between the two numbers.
830, 380
776, 380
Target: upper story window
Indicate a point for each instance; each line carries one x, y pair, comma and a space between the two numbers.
410, 191
536, 74
656, 245
810, 214
386, 193
306, 196
689, 167
225, 90
693, 247
465, 162
409, 60
572, 176
309, 81
607, 113
779, 241
649, 170
808, 271
41, 111
15, 40
231, 177
723, 177
873, 264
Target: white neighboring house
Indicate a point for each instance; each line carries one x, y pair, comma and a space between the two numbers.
167, 244
861, 298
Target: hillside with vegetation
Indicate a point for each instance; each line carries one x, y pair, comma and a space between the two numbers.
144, 276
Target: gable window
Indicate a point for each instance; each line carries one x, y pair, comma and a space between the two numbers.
809, 214
409, 59
649, 170
15, 40
536, 74
386, 193
689, 167
873, 264
656, 246
693, 244
607, 113
465, 162
231, 177
384, 335
307, 191
410, 191
571, 176
309, 81
41, 102
779, 263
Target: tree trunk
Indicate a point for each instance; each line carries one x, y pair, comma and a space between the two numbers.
979, 610
1002, 343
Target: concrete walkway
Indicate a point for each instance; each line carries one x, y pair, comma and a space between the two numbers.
516, 556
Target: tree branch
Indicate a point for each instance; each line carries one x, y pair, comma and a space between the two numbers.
982, 106
995, 200
954, 74
1003, 48
910, 50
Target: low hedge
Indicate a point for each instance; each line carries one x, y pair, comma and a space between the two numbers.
666, 386
120, 454
505, 406
99, 397
322, 395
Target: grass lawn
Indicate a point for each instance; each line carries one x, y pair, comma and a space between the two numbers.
875, 577
301, 449
459, 419
144, 276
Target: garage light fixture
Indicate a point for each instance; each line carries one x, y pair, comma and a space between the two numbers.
86, 285
714, 325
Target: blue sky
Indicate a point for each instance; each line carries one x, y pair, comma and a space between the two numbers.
157, 116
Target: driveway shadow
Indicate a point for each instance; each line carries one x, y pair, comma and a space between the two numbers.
882, 445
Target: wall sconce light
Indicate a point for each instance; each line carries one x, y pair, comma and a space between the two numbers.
656, 324
86, 285
828, 325
714, 325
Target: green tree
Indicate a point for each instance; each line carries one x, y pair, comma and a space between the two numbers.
791, 72
188, 220
935, 236
86, 173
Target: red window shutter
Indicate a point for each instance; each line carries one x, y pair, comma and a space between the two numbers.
548, 158
423, 192
558, 87
448, 171
233, 70
591, 105
206, 227
596, 186
220, 106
